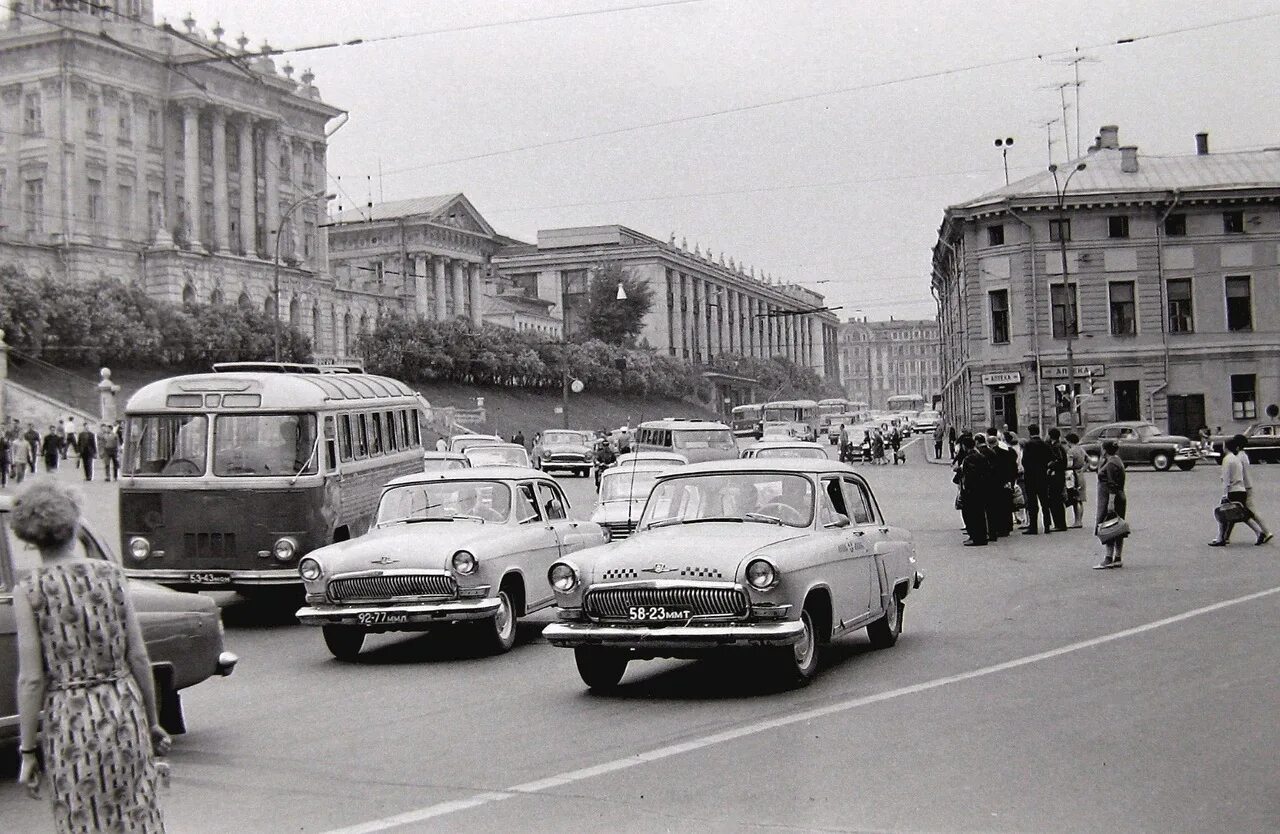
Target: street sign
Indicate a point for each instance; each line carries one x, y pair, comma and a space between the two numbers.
1005, 378
1060, 371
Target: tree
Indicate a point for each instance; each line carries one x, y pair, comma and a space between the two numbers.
608, 319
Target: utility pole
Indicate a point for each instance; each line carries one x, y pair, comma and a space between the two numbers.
1071, 324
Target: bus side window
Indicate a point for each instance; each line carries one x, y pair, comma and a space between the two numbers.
417, 427
393, 433
362, 436
344, 436
404, 429
375, 436
666, 442
330, 443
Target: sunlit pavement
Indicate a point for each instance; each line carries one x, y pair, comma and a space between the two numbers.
1093, 723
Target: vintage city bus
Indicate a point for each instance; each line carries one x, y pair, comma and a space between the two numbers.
905, 402
229, 478
795, 418
745, 420
828, 410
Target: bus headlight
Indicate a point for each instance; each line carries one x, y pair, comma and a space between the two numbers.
285, 548
464, 563
562, 577
761, 575
139, 548
309, 569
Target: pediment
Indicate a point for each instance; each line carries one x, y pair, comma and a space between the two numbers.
460, 214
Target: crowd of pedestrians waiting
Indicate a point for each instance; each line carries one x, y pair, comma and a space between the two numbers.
877, 446
22, 450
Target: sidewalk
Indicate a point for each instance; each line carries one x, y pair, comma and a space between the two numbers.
98, 497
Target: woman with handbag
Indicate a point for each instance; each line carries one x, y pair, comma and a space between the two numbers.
1112, 528
1076, 484
1235, 506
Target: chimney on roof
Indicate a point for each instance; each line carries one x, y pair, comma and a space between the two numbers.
1202, 144
1129, 159
1109, 137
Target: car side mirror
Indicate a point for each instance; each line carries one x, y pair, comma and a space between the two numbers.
842, 521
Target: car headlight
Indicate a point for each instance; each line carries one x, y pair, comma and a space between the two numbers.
309, 569
761, 575
464, 563
562, 577
139, 548
285, 548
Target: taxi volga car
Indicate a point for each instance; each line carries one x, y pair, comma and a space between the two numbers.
566, 449
183, 631
624, 488
779, 448
469, 546
777, 556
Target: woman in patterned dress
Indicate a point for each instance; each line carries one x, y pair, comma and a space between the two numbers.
82, 660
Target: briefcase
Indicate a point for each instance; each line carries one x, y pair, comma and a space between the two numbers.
1111, 529
1230, 512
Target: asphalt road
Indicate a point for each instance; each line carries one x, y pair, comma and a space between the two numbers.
1027, 693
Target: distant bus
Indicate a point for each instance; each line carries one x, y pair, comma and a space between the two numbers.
798, 418
905, 402
231, 477
697, 440
745, 420
829, 408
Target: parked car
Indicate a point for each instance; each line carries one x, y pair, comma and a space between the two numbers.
443, 461
777, 556
624, 487
470, 547
497, 454
566, 449
785, 449
1141, 443
183, 631
1263, 446
459, 442
925, 422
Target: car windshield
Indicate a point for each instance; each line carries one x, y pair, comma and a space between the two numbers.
563, 438
445, 501
461, 443
262, 445
769, 497
625, 484
169, 445
790, 452
497, 456
703, 439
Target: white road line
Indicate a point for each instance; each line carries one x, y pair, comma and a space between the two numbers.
441, 809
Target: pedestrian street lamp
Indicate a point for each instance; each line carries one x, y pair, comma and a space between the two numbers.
1060, 192
279, 230
1004, 145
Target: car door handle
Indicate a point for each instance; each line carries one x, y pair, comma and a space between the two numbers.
550, 527
884, 530
857, 532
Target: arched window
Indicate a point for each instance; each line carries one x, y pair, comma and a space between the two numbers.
295, 311
333, 328
216, 297
346, 334
315, 327
244, 301
188, 296
364, 322
269, 306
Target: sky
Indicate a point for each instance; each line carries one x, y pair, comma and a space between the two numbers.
819, 141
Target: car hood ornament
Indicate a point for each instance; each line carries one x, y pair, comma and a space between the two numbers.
658, 568
385, 560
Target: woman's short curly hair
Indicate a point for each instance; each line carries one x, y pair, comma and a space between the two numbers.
45, 514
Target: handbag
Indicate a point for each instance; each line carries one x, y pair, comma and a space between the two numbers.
1112, 528
959, 501
1230, 512
1019, 497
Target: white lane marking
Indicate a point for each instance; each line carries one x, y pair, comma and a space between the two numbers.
441, 809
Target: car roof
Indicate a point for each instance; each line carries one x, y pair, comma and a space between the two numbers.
434, 455
493, 446
627, 458
784, 444
476, 473
801, 466
476, 434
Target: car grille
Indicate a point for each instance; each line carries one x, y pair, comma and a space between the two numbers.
568, 457
618, 529
612, 603
212, 546
392, 586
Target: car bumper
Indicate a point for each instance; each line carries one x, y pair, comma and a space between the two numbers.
217, 580
677, 637
400, 616
1183, 457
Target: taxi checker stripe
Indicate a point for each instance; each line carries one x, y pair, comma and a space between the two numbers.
476, 800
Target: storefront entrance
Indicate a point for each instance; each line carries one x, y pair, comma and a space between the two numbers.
1004, 409
1128, 402
1186, 414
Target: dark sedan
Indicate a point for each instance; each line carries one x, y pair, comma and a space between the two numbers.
1141, 443
1263, 446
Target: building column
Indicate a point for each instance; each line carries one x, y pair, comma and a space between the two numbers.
475, 274
191, 172
751, 326
816, 354
700, 320
271, 173
420, 277
441, 309
459, 288
248, 191
221, 215
680, 338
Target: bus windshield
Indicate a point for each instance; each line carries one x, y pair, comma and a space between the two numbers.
168, 445
703, 439
265, 445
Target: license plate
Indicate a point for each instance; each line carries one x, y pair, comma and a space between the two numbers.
369, 618
657, 614
209, 577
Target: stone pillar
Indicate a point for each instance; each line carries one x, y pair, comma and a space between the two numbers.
818, 335
191, 173
441, 310
459, 288
476, 276
699, 319
270, 152
221, 214
248, 190
421, 298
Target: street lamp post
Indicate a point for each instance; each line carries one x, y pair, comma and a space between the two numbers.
1060, 192
1004, 145
275, 334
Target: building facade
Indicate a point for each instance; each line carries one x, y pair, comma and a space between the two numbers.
169, 159
1153, 288
702, 307
881, 359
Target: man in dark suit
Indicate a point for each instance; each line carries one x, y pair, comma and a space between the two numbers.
994, 480
1036, 457
87, 448
973, 478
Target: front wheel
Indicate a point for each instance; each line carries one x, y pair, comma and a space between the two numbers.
798, 664
344, 642
1186, 465
498, 635
600, 669
884, 631
1162, 461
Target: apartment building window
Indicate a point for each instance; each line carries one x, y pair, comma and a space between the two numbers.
1175, 225
1123, 308
124, 123
93, 117
1239, 303
995, 234
1060, 230
1244, 398
94, 199
233, 150
1233, 222
306, 167
154, 205
1118, 226
33, 206
999, 300
32, 116
1181, 318
154, 138
286, 163
124, 210
1063, 300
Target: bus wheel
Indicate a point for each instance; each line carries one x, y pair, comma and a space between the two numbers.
344, 642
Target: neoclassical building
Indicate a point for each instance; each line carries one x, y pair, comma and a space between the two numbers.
166, 157
880, 359
702, 306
